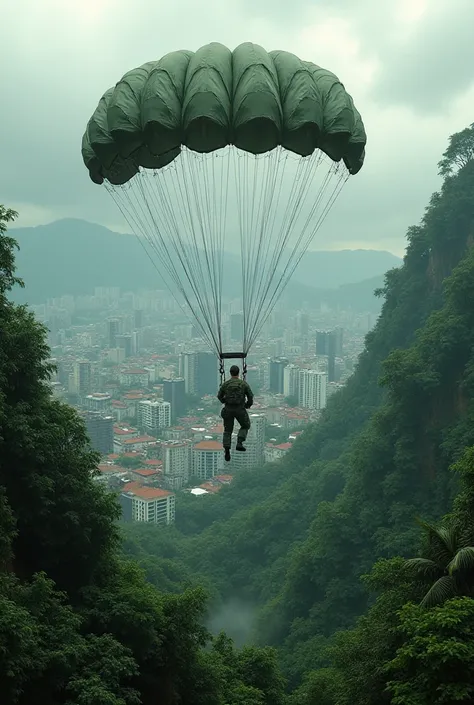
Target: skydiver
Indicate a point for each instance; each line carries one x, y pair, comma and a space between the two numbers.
237, 397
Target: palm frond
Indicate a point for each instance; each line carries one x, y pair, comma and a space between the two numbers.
463, 562
423, 568
441, 542
443, 589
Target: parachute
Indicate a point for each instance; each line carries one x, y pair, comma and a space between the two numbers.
211, 150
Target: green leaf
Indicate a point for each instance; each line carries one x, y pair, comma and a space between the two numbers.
443, 589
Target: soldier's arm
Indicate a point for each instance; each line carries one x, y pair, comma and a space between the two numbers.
249, 394
221, 393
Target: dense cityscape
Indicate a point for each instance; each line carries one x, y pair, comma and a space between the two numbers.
146, 385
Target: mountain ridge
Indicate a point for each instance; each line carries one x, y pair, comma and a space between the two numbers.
65, 247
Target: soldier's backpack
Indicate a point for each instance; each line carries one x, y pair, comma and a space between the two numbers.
235, 393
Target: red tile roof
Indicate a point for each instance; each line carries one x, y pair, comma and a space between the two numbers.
148, 493
145, 472
210, 487
208, 445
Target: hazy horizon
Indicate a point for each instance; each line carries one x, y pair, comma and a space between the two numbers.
407, 68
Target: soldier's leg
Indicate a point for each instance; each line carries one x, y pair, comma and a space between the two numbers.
244, 421
228, 419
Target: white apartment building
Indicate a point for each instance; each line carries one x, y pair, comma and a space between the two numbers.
153, 415
208, 459
81, 377
98, 402
312, 389
290, 380
147, 504
177, 463
255, 445
135, 378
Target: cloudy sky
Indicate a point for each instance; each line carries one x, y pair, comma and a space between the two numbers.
409, 64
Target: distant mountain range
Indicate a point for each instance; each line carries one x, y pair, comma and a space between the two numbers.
74, 256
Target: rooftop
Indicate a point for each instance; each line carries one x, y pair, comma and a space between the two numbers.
145, 472
208, 445
147, 493
138, 439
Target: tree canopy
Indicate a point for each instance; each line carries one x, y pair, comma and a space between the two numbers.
348, 565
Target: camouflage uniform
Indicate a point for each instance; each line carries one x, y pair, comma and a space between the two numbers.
232, 394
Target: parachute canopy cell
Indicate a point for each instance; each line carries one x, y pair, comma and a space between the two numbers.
250, 98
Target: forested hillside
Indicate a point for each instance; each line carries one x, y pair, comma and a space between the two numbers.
328, 560
79, 624
292, 542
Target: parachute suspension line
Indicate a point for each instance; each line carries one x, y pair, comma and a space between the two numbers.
262, 285
180, 212
298, 252
132, 209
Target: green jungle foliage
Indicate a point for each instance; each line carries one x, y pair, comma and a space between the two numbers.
291, 541
316, 562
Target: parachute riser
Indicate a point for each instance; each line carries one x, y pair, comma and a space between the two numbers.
232, 356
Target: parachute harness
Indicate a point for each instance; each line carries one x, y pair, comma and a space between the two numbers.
232, 356
185, 219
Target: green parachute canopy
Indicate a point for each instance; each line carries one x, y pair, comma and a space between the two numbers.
272, 118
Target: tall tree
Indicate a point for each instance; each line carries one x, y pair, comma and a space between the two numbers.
459, 152
447, 565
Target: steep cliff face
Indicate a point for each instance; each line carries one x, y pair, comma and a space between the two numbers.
397, 465
379, 457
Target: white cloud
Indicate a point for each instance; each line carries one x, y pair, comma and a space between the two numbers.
57, 58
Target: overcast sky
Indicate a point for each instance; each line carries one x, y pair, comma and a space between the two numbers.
409, 65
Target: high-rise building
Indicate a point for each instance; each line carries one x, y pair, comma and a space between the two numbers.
174, 392
291, 380
302, 324
153, 415
82, 375
98, 402
275, 376
100, 430
135, 342
147, 504
255, 445
200, 372
206, 374
208, 459
322, 342
331, 353
177, 463
329, 343
125, 343
187, 371
312, 389
113, 329
254, 378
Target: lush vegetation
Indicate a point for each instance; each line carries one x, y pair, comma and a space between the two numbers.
296, 542
79, 624
319, 559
